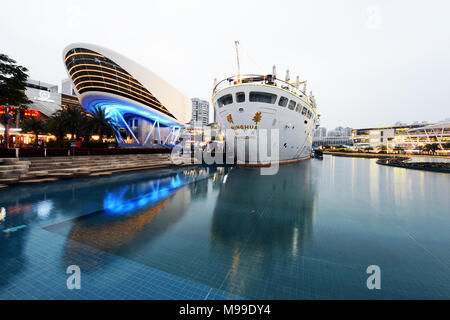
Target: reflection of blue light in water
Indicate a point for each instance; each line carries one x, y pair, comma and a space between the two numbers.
116, 203
175, 182
43, 208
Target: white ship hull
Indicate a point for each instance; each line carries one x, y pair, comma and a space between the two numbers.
248, 118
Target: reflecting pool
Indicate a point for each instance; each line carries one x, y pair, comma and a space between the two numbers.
309, 232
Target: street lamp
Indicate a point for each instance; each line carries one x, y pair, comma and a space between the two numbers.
5, 120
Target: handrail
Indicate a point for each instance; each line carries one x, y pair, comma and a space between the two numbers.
266, 79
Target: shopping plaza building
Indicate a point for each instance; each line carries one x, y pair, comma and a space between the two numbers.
148, 110
45, 100
411, 138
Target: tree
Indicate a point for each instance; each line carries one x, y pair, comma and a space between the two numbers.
98, 123
55, 126
35, 126
431, 147
73, 119
13, 80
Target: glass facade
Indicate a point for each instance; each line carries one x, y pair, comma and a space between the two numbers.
91, 71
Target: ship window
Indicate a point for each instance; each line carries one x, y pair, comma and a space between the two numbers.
292, 104
262, 97
283, 102
240, 97
298, 108
304, 111
223, 101
309, 114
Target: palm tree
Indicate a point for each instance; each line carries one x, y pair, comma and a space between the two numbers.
56, 127
73, 119
99, 123
35, 126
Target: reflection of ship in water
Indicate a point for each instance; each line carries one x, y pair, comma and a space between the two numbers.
263, 222
275, 206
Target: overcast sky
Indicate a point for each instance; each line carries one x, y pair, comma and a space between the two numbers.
369, 63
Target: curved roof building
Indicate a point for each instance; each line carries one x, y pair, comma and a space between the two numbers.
136, 98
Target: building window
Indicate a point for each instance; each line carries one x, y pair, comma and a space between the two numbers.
263, 97
283, 102
226, 99
240, 97
304, 111
292, 105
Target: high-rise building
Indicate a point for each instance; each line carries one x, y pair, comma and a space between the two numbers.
340, 132
320, 132
67, 87
200, 112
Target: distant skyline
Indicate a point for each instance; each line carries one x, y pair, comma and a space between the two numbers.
369, 63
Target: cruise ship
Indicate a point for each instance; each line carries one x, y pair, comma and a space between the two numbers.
246, 104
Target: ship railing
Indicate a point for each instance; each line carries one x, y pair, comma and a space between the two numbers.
261, 79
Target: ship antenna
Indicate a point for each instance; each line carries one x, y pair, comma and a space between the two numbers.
236, 43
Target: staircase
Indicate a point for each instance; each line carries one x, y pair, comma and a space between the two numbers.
12, 170
40, 170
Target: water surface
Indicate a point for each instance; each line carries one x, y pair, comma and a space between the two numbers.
308, 232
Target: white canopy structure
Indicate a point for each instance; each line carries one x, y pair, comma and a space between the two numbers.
440, 125
437, 133
148, 108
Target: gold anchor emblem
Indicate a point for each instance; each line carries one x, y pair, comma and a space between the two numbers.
230, 119
257, 117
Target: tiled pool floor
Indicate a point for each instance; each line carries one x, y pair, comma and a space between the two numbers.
309, 232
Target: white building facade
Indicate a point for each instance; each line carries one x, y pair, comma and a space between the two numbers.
148, 109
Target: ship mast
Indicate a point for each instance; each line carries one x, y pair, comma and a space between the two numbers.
236, 43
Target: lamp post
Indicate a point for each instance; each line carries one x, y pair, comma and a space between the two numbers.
5, 119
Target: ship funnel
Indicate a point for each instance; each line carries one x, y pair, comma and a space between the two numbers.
304, 87
297, 82
288, 77
274, 72
215, 83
